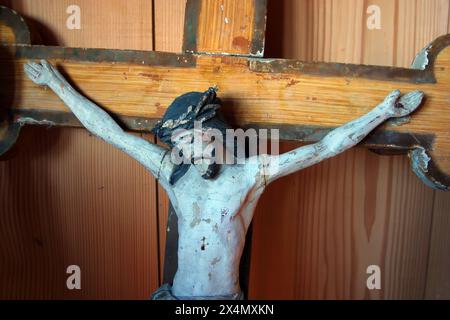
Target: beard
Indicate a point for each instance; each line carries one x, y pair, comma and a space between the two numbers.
211, 171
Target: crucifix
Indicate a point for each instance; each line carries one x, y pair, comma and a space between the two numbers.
214, 203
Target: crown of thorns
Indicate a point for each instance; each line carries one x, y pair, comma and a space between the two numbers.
204, 110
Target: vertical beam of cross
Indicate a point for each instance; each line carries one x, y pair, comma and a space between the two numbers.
227, 27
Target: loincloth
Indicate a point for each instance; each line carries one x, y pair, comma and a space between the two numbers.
165, 293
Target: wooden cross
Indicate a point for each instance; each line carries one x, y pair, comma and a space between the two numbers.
223, 46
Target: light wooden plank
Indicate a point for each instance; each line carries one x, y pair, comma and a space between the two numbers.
301, 99
438, 280
334, 220
69, 198
359, 208
225, 26
413, 34
169, 25
114, 24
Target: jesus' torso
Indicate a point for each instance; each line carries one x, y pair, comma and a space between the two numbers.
213, 217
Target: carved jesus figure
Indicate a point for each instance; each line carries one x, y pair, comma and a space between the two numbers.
214, 202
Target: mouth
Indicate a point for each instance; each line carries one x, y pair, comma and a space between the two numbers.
200, 160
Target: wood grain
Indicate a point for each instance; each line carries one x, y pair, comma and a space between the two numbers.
7, 34
334, 219
225, 26
169, 25
300, 98
438, 279
69, 198
111, 24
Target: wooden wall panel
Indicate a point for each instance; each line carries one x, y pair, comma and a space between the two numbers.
438, 278
334, 220
67, 197
318, 230
169, 25
114, 24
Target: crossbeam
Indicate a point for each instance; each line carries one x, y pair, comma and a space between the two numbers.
304, 100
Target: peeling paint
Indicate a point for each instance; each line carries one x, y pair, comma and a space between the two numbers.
420, 164
196, 219
396, 122
421, 60
215, 261
323, 69
420, 159
112, 56
259, 53
24, 120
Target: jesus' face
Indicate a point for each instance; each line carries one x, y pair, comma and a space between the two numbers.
199, 147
